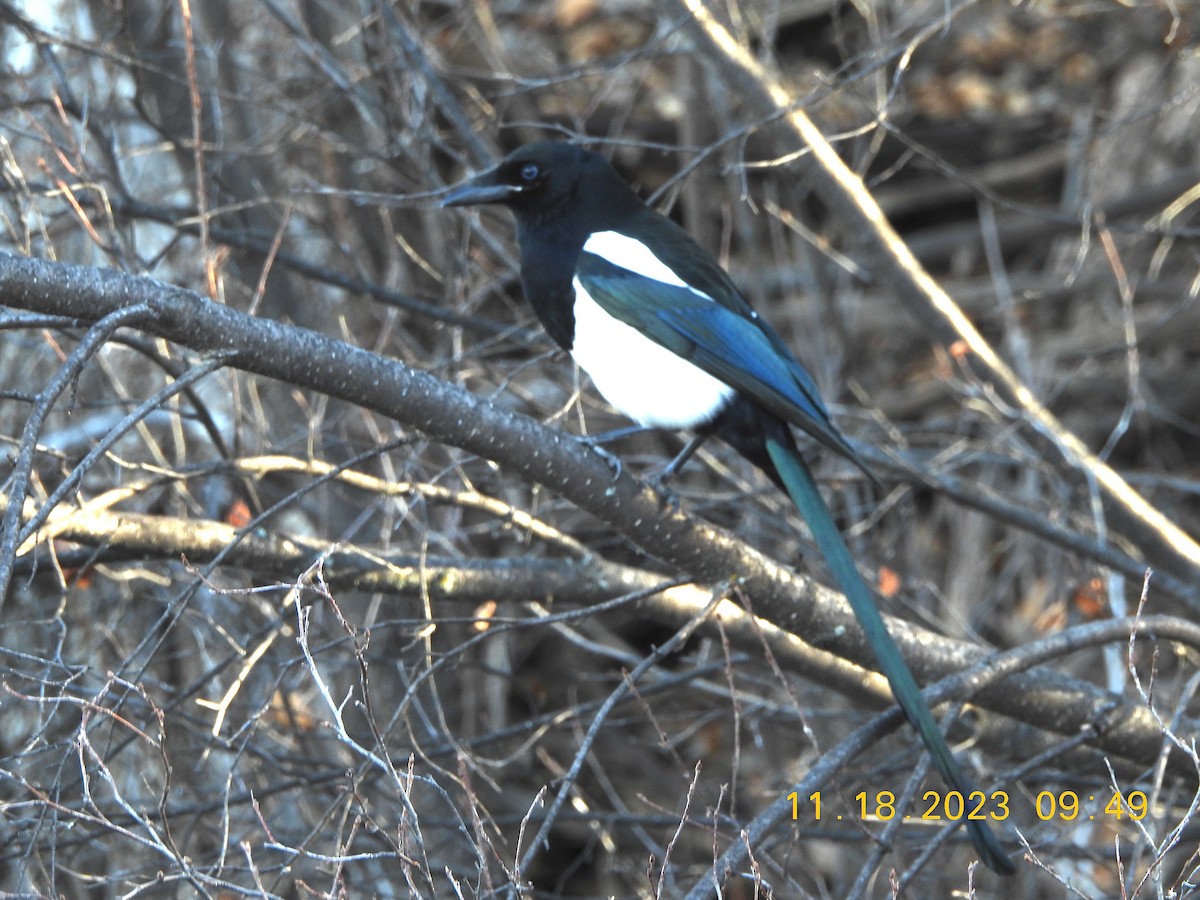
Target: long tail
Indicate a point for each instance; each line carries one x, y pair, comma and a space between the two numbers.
802, 488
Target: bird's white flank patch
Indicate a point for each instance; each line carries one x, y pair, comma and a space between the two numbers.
641, 378
630, 253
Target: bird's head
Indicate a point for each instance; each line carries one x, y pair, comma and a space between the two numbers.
537, 179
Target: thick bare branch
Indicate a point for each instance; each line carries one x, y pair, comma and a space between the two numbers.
554, 459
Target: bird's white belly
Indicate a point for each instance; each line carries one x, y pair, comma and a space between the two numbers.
642, 379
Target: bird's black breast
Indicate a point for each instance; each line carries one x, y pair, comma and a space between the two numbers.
547, 270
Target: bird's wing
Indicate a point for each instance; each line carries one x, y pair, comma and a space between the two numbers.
738, 348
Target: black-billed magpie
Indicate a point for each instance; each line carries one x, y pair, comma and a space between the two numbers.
670, 342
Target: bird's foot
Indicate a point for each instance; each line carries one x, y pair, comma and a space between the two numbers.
611, 459
595, 442
658, 483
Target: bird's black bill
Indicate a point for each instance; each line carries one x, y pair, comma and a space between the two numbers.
481, 189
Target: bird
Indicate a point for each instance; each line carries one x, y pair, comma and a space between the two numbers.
671, 343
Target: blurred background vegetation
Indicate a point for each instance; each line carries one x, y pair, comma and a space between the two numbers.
162, 731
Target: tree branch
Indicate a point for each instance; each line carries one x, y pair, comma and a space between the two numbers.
790, 602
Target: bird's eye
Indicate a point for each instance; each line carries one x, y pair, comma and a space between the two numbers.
530, 172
